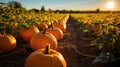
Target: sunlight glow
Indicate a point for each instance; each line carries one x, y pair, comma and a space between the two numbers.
110, 5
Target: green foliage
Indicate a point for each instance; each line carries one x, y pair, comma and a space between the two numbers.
11, 20
42, 9
14, 4
107, 41
116, 47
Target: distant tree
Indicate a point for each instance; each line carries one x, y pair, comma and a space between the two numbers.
2, 3
42, 9
35, 10
97, 10
62, 11
57, 11
31, 11
14, 4
49, 10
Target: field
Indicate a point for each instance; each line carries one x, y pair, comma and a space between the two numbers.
88, 40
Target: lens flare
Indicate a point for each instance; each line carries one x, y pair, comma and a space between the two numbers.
110, 5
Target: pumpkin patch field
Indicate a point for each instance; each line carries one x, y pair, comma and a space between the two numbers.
53, 39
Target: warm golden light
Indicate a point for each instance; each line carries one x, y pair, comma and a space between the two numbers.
110, 5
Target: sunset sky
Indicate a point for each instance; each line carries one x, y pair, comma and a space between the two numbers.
68, 4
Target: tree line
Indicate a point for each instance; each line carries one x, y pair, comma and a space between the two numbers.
18, 5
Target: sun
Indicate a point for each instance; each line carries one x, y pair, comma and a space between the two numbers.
110, 5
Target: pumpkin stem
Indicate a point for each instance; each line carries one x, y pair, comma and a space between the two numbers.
47, 49
44, 31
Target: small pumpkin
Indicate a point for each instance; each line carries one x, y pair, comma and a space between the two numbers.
7, 43
39, 40
43, 26
27, 33
45, 58
60, 26
56, 32
62, 21
66, 18
48, 23
97, 27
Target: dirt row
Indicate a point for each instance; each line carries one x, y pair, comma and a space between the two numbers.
76, 48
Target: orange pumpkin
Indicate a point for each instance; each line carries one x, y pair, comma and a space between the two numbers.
27, 34
43, 26
7, 42
48, 23
1, 35
62, 21
97, 27
45, 58
66, 18
60, 26
57, 33
39, 41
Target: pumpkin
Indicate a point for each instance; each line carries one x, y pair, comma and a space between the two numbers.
7, 42
27, 33
43, 26
62, 21
45, 58
56, 32
48, 23
39, 41
1, 35
97, 27
66, 18
60, 26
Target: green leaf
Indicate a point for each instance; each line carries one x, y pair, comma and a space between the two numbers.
24, 25
104, 57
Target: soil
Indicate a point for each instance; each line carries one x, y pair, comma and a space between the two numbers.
74, 47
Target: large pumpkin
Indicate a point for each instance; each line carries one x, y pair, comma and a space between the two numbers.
57, 33
7, 42
27, 33
39, 41
45, 58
